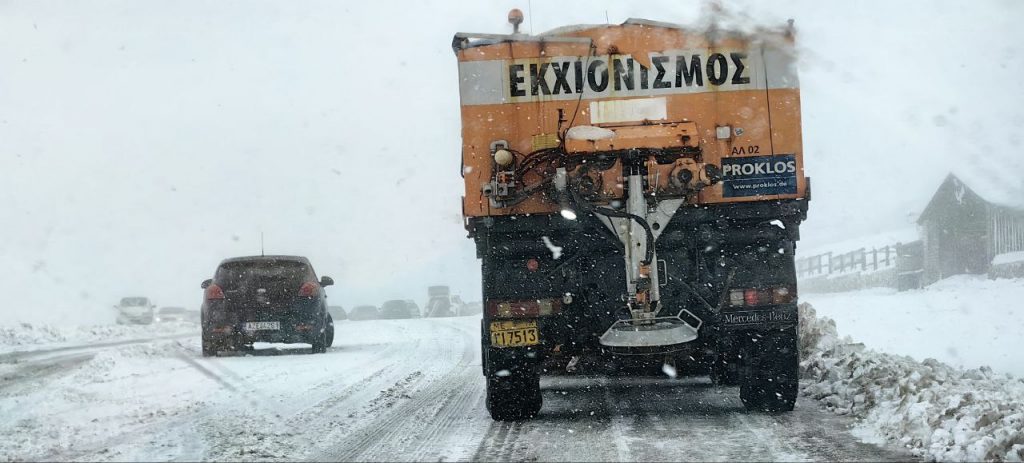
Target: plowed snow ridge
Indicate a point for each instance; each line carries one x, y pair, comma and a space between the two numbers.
937, 411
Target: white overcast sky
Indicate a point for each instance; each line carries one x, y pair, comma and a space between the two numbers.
143, 141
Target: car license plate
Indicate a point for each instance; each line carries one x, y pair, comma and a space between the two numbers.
262, 326
514, 333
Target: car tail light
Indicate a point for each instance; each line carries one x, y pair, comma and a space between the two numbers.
214, 292
532, 265
530, 308
761, 296
309, 289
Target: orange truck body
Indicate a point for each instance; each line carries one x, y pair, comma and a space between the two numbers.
732, 98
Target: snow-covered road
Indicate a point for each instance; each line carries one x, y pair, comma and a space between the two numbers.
387, 390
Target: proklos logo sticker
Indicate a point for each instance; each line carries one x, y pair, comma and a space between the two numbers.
759, 175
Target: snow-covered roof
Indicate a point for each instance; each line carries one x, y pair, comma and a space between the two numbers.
1002, 185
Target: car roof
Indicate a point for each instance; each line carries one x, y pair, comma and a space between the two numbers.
264, 258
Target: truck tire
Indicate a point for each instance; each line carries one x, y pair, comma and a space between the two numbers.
330, 331
771, 380
514, 397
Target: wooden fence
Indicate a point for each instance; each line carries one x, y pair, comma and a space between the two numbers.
898, 265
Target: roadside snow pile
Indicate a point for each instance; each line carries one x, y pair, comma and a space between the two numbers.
939, 412
18, 337
27, 333
815, 333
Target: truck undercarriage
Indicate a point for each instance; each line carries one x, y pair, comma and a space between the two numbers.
730, 266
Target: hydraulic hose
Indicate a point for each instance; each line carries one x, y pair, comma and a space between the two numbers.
649, 248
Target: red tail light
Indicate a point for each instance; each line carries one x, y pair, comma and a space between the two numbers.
309, 289
531, 308
750, 297
214, 292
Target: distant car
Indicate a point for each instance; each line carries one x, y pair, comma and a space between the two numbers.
363, 312
397, 308
414, 308
265, 298
337, 312
134, 311
172, 314
471, 308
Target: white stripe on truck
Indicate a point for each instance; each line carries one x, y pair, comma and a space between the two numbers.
671, 72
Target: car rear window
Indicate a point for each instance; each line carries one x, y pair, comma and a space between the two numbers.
134, 301
237, 275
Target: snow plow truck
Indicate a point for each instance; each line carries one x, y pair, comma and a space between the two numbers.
634, 192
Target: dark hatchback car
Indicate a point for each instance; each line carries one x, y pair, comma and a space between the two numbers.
363, 312
265, 299
396, 308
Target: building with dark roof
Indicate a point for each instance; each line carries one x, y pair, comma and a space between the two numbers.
963, 230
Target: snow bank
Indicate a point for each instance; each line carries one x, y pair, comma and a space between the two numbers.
939, 412
28, 335
964, 321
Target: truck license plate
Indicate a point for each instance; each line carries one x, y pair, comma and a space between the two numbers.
262, 326
514, 333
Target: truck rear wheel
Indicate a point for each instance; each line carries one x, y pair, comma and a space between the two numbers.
514, 397
771, 379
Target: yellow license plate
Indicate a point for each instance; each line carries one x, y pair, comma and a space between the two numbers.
514, 333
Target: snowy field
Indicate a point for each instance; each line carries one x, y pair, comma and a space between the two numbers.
967, 321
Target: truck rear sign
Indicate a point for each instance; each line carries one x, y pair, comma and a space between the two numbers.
612, 76
759, 175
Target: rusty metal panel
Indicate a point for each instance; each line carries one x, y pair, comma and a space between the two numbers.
656, 77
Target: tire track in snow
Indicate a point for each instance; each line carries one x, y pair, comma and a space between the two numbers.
429, 411
29, 374
618, 426
206, 434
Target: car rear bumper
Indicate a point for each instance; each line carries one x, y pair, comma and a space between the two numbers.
291, 330
140, 319
243, 337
